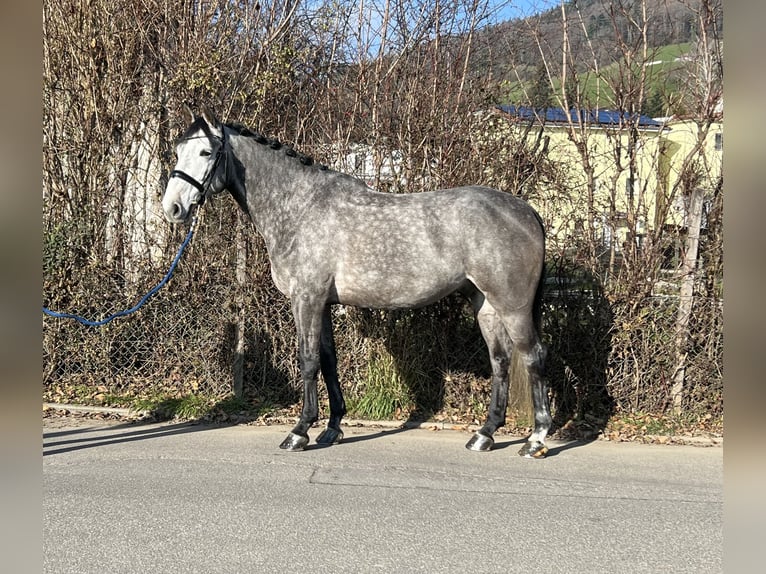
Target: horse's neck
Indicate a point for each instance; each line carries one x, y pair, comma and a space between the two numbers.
273, 190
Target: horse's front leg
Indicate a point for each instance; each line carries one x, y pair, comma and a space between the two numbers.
329, 365
307, 312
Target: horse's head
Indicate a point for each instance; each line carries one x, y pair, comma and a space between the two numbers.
199, 171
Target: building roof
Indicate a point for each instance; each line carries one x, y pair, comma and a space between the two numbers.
559, 116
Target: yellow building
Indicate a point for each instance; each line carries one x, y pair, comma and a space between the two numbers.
601, 172
698, 148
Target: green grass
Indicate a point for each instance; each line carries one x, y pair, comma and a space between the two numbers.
672, 51
596, 92
163, 406
195, 406
383, 393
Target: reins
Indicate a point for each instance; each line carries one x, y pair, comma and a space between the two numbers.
205, 187
143, 299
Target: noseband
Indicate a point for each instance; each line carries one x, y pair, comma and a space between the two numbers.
205, 186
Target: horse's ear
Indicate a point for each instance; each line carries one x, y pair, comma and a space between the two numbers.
209, 117
187, 114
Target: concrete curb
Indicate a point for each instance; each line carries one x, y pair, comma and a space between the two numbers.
96, 410
130, 413
362, 423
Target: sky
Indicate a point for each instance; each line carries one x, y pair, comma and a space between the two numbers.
371, 13
509, 9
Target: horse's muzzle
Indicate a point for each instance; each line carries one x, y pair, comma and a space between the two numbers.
176, 207
176, 213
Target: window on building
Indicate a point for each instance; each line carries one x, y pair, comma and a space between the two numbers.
631, 186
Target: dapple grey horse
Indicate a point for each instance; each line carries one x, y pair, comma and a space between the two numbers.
333, 240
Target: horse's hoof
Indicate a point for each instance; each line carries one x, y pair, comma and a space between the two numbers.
533, 450
480, 442
330, 436
294, 442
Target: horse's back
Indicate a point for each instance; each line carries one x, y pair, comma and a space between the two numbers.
450, 208
393, 250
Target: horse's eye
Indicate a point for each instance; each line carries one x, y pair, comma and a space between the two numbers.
205, 152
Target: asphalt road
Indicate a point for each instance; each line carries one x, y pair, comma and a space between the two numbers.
184, 498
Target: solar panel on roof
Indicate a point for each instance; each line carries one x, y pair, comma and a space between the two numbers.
603, 117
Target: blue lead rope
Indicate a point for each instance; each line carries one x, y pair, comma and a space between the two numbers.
143, 300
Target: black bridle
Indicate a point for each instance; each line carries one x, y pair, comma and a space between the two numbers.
205, 187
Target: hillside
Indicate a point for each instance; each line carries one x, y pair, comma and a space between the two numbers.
665, 77
599, 33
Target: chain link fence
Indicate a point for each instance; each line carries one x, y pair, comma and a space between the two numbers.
212, 334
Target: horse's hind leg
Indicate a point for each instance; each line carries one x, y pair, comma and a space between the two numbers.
500, 347
527, 343
329, 365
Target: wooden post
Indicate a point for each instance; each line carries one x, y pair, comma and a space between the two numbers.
686, 295
238, 368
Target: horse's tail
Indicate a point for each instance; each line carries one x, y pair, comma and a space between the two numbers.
537, 305
521, 400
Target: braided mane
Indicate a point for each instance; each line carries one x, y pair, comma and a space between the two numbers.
273, 143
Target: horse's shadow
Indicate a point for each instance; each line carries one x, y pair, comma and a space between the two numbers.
70, 440
554, 450
437, 352
499, 445
266, 381
578, 325
442, 359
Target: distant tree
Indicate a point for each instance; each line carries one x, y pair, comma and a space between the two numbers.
541, 92
655, 106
